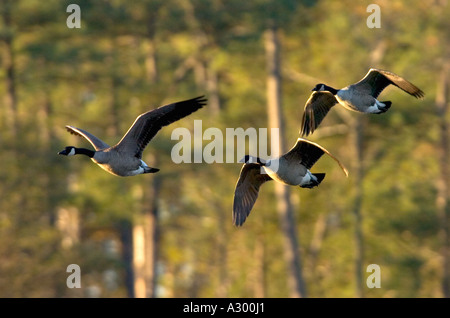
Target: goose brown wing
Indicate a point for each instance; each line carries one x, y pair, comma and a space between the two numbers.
377, 80
246, 192
316, 108
96, 142
147, 125
307, 153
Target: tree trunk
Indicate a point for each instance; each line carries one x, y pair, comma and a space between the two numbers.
357, 135
221, 252
212, 87
139, 260
46, 133
10, 98
151, 224
126, 238
145, 243
259, 286
151, 68
284, 206
320, 229
443, 207
114, 129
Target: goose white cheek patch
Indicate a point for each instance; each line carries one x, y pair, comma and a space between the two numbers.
72, 152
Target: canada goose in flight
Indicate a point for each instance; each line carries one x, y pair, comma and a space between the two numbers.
291, 169
124, 159
360, 97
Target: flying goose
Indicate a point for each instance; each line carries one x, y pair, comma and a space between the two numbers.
291, 169
124, 159
360, 97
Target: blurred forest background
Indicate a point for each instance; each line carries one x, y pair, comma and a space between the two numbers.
170, 234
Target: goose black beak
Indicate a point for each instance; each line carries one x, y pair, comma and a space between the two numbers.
63, 152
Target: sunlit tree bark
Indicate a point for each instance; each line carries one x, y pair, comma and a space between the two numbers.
442, 200
151, 244
284, 207
10, 98
357, 136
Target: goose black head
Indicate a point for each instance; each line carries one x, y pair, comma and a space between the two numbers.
252, 159
319, 87
68, 151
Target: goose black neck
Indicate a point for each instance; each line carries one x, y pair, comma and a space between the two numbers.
84, 151
331, 89
253, 159
261, 162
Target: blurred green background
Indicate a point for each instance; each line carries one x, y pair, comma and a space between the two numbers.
170, 234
